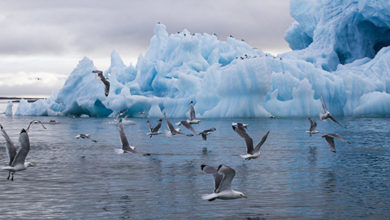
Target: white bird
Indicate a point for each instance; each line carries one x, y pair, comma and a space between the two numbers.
170, 126
330, 139
327, 114
125, 143
104, 80
252, 153
223, 177
192, 119
17, 160
154, 130
313, 125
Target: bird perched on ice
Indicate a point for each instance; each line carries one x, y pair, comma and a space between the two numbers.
17, 160
330, 139
223, 177
104, 80
313, 125
252, 153
154, 130
327, 114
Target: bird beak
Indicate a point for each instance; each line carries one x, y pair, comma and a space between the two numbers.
245, 196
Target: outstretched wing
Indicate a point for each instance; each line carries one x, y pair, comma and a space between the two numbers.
11, 150
323, 105
170, 126
24, 149
150, 126
257, 148
34, 122
228, 174
240, 130
336, 136
188, 126
217, 176
104, 80
313, 124
330, 141
158, 126
192, 112
125, 142
334, 120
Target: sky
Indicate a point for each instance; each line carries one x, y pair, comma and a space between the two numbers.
41, 41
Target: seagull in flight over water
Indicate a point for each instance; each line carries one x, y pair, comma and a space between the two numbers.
330, 139
154, 130
17, 159
223, 177
170, 126
313, 125
252, 153
125, 143
327, 114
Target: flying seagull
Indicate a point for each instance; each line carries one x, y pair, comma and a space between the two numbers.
193, 119
204, 133
154, 130
330, 139
85, 136
252, 153
188, 126
313, 125
170, 126
327, 114
35, 122
125, 143
104, 80
17, 159
223, 177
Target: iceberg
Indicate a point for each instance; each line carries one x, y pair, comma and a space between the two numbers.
340, 50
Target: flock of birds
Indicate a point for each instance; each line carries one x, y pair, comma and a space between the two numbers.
223, 175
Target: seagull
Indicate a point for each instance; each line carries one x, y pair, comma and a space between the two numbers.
170, 126
85, 136
313, 125
104, 80
252, 153
193, 119
125, 143
327, 114
121, 113
223, 177
204, 133
35, 122
330, 139
188, 126
154, 130
17, 159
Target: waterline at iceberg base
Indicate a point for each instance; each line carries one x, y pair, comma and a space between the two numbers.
340, 51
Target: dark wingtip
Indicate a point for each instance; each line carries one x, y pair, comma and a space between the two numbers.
23, 131
160, 119
219, 167
202, 166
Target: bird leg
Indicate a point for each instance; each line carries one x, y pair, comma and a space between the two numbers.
9, 174
12, 178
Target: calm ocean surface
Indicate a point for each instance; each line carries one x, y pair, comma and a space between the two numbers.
296, 177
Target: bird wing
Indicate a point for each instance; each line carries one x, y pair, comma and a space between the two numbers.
330, 141
170, 126
240, 130
24, 149
334, 120
323, 105
125, 142
150, 126
158, 126
188, 126
192, 112
11, 149
217, 176
257, 148
104, 80
33, 122
228, 174
313, 124
209, 130
204, 136
336, 136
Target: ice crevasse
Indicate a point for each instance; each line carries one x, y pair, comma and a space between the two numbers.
340, 51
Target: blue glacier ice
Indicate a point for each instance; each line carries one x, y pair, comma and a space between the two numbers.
340, 51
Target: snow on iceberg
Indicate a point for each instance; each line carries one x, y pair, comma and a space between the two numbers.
340, 52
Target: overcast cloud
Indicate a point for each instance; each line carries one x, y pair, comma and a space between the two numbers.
56, 34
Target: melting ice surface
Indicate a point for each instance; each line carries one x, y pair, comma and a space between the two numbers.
340, 51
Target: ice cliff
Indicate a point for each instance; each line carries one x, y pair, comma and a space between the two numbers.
340, 52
